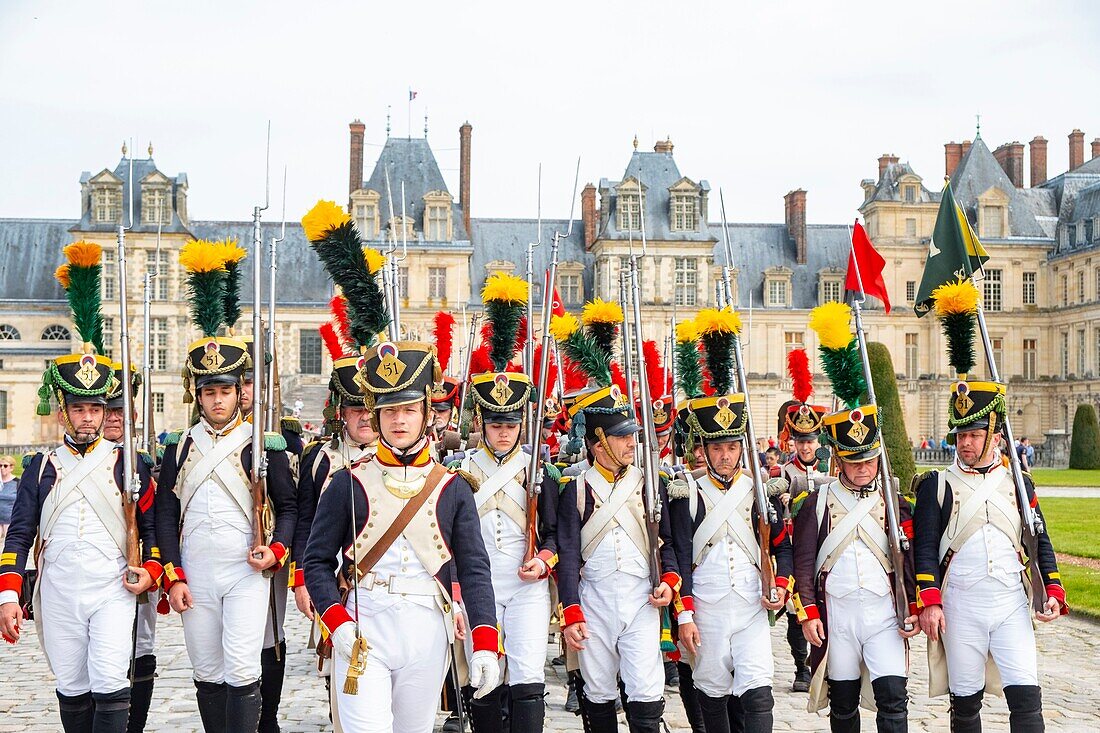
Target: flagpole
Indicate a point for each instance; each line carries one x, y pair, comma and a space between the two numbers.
899, 543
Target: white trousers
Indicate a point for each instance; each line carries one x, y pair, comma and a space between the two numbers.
735, 652
863, 628
406, 664
988, 619
523, 612
224, 632
87, 619
281, 579
147, 625
624, 640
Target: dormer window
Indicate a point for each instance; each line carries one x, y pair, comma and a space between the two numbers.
684, 212
993, 221
437, 223
910, 193
437, 217
830, 286
107, 205
631, 199
154, 206
777, 287
365, 210
402, 227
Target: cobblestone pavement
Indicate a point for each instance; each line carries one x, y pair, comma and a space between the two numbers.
1069, 662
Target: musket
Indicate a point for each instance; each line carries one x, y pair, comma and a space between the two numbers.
357, 664
395, 265
463, 388
765, 510
271, 419
624, 299
388, 285
148, 430
548, 290
131, 491
650, 449
534, 467
899, 543
671, 363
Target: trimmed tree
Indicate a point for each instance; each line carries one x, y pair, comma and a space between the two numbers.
1084, 447
891, 418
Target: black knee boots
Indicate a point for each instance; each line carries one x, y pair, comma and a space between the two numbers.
242, 708
892, 701
111, 711
211, 697
758, 704
271, 687
966, 712
715, 712
689, 696
800, 652
644, 717
1025, 708
77, 712
844, 706
484, 713
599, 717
528, 707
141, 692
736, 713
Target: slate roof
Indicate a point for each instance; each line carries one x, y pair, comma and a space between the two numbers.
410, 160
977, 172
507, 239
657, 172
888, 189
31, 252
143, 167
1088, 203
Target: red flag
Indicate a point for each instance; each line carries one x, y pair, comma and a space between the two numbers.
556, 308
870, 264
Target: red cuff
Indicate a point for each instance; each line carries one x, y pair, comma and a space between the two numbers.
672, 579
280, 551
156, 570
173, 575
913, 609
572, 615
1056, 591
783, 581
486, 639
907, 528
811, 612
688, 603
930, 597
297, 576
456, 593
550, 559
11, 581
334, 617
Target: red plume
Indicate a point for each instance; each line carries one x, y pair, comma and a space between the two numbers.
479, 360
798, 367
544, 386
617, 377
332, 341
574, 377
443, 334
339, 307
654, 374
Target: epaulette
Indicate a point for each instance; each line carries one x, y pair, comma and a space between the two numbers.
274, 441
665, 472
552, 471
160, 452
467, 476
26, 460
798, 501
147, 458
173, 438
292, 424
918, 479
678, 489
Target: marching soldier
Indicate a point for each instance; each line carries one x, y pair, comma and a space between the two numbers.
611, 604
975, 592
716, 522
800, 427
209, 521
71, 498
392, 526
843, 573
521, 560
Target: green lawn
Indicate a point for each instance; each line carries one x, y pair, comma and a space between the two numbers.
1082, 589
1074, 524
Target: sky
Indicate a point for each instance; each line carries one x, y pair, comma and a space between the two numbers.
757, 98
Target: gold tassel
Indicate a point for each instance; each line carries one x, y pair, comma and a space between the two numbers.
356, 666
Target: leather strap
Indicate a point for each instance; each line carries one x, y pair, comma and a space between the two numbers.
378, 549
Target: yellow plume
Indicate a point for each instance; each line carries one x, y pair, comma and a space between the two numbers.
322, 218
562, 327
230, 251
62, 275
199, 255
83, 254
686, 331
712, 320
601, 311
830, 323
374, 259
504, 288
960, 296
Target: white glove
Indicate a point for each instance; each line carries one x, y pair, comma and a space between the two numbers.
484, 673
343, 639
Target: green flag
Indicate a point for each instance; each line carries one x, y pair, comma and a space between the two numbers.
953, 254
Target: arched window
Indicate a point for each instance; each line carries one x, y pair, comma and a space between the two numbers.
9, 332
56, 332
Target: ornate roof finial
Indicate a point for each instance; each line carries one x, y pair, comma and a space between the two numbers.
388, 108
150, 150
635, 141
978, 117
123, 148
425, 123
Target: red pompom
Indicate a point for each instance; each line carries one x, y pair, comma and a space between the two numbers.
332, 341
798, 367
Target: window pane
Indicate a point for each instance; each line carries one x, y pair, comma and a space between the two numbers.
3, 410
1031, 355
309, 352
437, 283
991, 287
912, 369
1029, 287
910, 290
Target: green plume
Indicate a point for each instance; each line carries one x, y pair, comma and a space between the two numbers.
341, 253
207, 295
959, 330
84, 298
688, 372
232, 293
582, 350
603, 335
845, 370
505, 317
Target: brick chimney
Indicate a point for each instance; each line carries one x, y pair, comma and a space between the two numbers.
1096, 147
884, 161
1011, 158
464, 134
590, 216
1076, 148
1038, 160
794, 214
952, 154
663, 146
965, 148
355, 168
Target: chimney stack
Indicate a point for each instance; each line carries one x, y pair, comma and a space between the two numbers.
794, 208
1038, 160
965, 148
884, 161
1096, 147
1011, 158
589, 215
952, 154
663, 146
1076, 149
464, 134
355, 172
